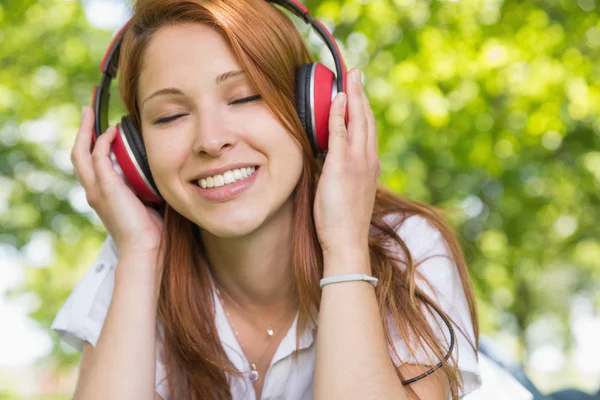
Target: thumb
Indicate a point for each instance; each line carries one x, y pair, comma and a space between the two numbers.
338, 133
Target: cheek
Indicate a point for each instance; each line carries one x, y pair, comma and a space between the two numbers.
163, 156
289, 154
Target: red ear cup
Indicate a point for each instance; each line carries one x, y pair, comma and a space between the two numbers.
315, 90
130, 156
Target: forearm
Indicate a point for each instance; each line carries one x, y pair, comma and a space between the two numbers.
123, 362
352, 360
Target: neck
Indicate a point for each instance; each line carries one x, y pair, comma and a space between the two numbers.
256, 271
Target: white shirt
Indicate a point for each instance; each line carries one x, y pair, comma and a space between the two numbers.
82, 316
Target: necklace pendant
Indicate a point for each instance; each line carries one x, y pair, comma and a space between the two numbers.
270, 331
254, 373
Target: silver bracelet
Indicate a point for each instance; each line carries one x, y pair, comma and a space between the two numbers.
349, 277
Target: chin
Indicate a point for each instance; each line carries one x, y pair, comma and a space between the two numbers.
232, 224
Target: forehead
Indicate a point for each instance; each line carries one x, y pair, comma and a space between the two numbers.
183, 53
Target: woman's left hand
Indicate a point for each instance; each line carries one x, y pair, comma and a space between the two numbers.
346, 190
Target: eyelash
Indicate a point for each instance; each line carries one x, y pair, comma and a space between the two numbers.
164, 120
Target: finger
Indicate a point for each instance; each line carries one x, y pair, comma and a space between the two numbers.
338, 134
103, 166
357, 125
372, 140
81, 154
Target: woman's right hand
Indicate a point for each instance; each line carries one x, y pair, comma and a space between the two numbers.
133, 226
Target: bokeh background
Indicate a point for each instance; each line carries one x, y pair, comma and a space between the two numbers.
487, 107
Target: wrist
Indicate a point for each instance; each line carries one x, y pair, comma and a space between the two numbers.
139, 256
139, 246
138, 251
139, 260
348, 260
137, 268
346, 250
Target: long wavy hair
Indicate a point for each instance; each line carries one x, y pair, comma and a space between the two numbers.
196, 362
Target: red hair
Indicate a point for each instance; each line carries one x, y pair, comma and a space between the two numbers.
194, 358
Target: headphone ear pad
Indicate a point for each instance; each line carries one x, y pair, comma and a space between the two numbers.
303, 107
130, 154
137, 142
314, 94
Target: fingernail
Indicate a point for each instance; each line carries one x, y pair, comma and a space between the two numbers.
83, 111
356, 75
342, 99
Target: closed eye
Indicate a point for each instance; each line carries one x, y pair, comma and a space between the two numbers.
168, 119
247, 99
165, 120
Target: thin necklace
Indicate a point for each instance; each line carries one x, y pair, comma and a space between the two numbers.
270, 330
254, 374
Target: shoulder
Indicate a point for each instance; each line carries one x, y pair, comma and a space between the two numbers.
82, 315
416, 230
436, 270
422, 238
437, 275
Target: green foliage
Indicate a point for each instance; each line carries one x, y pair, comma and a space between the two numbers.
487, 106
47, 73
17, 397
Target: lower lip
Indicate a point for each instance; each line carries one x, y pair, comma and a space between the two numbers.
227, 192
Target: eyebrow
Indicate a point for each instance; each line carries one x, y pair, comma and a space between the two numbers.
174, 91
223, 77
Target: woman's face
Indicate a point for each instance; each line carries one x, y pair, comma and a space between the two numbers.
193, 123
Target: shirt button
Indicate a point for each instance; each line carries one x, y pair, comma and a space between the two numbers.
99, 267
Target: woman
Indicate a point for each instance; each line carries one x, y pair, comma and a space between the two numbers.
224, 279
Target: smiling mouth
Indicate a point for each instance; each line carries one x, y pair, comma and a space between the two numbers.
227, 178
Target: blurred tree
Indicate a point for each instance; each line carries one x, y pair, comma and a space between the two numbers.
490, 107
47, 70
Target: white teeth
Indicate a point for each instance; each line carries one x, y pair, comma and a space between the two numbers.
226, 178
219, 181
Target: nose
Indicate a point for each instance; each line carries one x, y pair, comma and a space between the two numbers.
213, 135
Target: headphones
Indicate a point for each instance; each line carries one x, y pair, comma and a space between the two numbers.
314, 87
